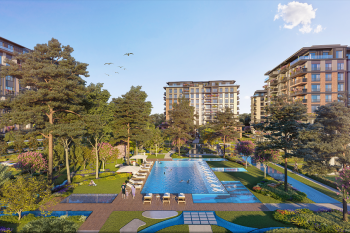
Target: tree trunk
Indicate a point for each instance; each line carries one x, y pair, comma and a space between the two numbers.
19, 215
246, 162
67, 166
127, 153
156, 151
178, 146
103, 165
224, 146
345, 209
285, 174
265, 170
49, 172
96, 151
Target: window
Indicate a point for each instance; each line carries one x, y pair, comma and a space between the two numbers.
226, 89
192, 101
314, 108
328, 77
315, 66
170, 106
175, 101
197, 95
192, 96
340, 66
170, 96
180, 96
187, 96
175, 96
325, 53
226, 95
215, 101
339, 54
315, 87
231, 100
220, 95
170, 101
207, 89
215, 90
231, 89
175, 90
180, 90
197, 90
328, 87
315, 77
197, 105
170, 90
197, 101
220, 106
340, 98
226, 101
312, 55
315, 98
220, 89
231, 95
340, 76
328, 98
220, 101
340, 86
328, 66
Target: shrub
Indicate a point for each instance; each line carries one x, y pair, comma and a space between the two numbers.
111, 178
50, 225
31, 162
5, 230
77, 178
290, 229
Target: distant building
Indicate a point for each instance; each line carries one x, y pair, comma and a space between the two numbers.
258, 102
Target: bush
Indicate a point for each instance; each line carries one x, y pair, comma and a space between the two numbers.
77, 178
5, 230
111, 178
290, 229
50, 225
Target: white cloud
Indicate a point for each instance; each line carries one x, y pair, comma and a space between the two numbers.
296, 13
246, 97
318, 29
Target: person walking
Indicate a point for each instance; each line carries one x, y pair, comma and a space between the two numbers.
133, 191
123, 190
296, 167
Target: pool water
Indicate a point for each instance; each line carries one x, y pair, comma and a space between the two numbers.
201, 159
172, 177
90, 198
228, 169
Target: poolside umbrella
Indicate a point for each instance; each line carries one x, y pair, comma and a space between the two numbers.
143, 157
128, 169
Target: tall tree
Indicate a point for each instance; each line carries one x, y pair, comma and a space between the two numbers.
181, 123
225, 126
131, 115
155, 138
282, 126
157, 119
245, 118
53, 78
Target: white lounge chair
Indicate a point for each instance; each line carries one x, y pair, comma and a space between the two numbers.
137, 186
147, 198
212, 181
181, 198
166, 198
139, 177
135, 182
215, 186
218, 190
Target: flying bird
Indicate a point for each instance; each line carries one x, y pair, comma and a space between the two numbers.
128, 54
120, 66
108, 63
106, 74
117, 72
124, 68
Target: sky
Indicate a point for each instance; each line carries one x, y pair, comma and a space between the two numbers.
194, 40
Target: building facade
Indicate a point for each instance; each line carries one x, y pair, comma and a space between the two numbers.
258, 102
207, 97
314, 75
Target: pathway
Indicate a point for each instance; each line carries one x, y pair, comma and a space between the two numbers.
168, 155
199, 218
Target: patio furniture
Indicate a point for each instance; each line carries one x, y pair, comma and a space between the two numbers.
218, 190
215, 186
137, 186
181, 198
135, 182
147, 198
158, 197
166, 198
139, 177
144, 170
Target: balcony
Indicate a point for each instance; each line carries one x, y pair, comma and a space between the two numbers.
274, 73
237, 102
274, 89
7, 49
302, 59
237, 97
164, 93
273, 83
299, 82
304, 101
298, 92
298, 72
283, 87
282, 80
164, 103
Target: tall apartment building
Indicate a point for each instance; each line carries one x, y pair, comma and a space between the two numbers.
208, 97
314, 75
9, 86
258, 102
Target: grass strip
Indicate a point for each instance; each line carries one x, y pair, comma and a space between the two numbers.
309, 183
118, 219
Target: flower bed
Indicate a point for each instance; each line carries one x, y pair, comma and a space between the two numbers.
324, 220
277, 192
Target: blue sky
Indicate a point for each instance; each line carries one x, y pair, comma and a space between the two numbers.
177, 40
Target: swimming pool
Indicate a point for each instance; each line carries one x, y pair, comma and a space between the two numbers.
90, 198
228, 169
172, 177
201, 159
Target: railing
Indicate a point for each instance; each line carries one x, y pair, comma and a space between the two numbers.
7, 49
300, 91
274, 82
298, 71
266, 79
328, 68
304, 101
302, 80
311, 57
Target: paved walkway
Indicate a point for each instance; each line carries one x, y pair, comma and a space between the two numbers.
132, 226
168, 155
200, 229
310, 206
199, 218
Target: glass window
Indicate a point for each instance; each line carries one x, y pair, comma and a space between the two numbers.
226, 101
197, 95
180, 90
340, 87
170, 107
192, 101
207, 89
314, 108
312, 55
315, 98
220, 95
231, 89
328, 77
231, 95
170, 96
197, 101
315, 66
220, 89
340, 76
175, 90
197, 90
215, 90
215, 101
328, 66
328, 98
315, 87
180, 96
170, 90
175, 101
340, 66
187, 96
220, 101
197, 105
226, 89
315, 77
226, 95
328, 87
170, 101
339, 54
175, 96
325, 53
231, 100
220, 106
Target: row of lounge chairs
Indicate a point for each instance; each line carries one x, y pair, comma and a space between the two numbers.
142, 174
181, 198
212, 179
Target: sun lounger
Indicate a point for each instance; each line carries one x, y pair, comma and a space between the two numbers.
166, 198
215, 186
218, 190
139, 177
147, 198
212, 181
137, 186
181, 198
144, 170
135, 182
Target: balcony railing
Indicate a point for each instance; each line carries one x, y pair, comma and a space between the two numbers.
299, 92
298, 72
304, 101
311, 58
299, 81
7, 49
274, 83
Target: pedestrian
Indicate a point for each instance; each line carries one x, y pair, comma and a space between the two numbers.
296, 167
133, 191
123, 190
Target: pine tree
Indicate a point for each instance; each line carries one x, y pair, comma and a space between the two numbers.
131, 115
225, 126
55, 86
282, 127
181, 123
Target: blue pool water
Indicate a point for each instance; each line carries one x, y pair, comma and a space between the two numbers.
54, 213
166, 177
228, 169
90, 198
201, 159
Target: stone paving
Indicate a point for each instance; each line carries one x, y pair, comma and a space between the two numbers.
200, 229
155, 214
132, 226
199, 218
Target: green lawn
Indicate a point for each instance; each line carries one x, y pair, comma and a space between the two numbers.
256, 219
331, 177
248, 179
159, 156
309, 183
177, 228
118, 219
103, 186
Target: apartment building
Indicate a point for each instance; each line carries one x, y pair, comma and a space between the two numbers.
9, 86
208, 97
258, 102
314, 75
